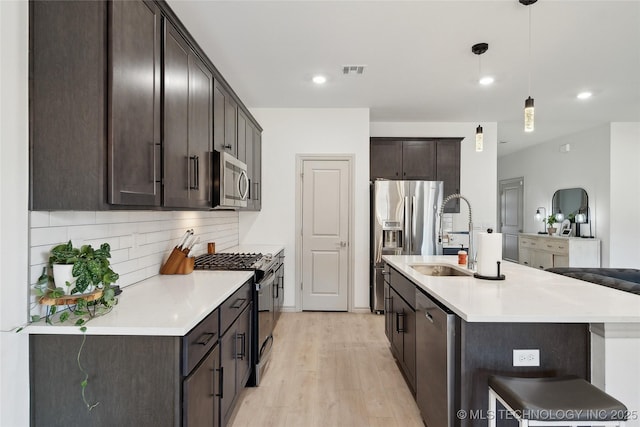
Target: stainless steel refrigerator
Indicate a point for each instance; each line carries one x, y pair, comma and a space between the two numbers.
404, 222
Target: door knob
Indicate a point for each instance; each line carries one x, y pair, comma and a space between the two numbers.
341, 244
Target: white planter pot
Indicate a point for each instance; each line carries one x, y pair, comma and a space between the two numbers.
62, 275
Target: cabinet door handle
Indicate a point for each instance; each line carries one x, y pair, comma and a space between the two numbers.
194, 184
213, 383
205, 338
242, 353
398, 328
256, 193
152, 169
227, 146
429, 316
386, 273
238, 303
197, 173
221, 382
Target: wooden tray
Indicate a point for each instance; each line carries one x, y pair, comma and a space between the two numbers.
71, 299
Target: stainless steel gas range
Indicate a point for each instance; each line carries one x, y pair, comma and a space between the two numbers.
268, 297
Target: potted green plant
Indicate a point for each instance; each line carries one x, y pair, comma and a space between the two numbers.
551, 221
83, 270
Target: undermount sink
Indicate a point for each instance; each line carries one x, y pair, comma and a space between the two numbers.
439, 270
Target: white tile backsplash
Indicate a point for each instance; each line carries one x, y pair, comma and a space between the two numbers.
48, 236
39, 219
59, 218
140, 240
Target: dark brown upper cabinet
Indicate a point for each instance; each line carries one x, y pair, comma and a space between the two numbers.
134, 126
419, 160
385, 159
188, 130
403, 159
95, 123
256, 189
448, 170
225, 121
107, 128
425, 159
250, 152
67, 93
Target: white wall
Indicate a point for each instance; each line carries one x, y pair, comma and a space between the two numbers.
625, 195
545, 169
14, 180
287, 133
477, 170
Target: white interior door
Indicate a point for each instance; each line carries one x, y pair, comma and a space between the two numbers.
511, 220
325, 233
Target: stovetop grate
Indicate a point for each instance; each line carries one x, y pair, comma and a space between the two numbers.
227, 261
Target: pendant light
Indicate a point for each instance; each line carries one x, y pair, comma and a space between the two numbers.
479, 139
528, 103
479, 49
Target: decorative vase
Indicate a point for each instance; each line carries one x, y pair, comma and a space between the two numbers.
552, 231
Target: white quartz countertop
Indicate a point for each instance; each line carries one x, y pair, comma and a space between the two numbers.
168, 305
526, 295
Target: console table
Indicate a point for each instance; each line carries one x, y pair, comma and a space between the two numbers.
542, 251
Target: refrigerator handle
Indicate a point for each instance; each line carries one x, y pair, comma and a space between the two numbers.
413, 220
406, 227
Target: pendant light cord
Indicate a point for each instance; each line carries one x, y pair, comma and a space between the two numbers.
480, 93
530, 49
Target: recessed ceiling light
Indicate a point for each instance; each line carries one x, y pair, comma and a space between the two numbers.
584, 95
486, 80
319, 80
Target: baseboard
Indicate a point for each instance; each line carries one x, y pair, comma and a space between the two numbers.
357, 310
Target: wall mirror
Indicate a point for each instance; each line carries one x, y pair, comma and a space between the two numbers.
571, 202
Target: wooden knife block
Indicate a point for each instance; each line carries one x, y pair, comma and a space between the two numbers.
178, 263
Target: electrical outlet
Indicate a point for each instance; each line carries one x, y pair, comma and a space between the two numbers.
529, 357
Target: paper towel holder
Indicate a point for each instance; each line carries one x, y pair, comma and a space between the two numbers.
497, 277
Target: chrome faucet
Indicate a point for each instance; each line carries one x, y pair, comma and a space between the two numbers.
470, 257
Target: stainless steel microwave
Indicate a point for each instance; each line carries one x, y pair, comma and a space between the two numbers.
230, 181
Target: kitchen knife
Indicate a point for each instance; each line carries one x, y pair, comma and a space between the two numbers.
192, 244
184, 239
187, 243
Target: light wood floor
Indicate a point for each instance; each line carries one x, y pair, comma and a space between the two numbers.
329, 369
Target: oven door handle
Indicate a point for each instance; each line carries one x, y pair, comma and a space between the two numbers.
266, 282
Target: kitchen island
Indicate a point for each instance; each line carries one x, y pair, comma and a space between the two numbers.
530, 309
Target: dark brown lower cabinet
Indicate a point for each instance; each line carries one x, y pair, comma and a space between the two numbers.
173, 381
400, 322
134, 380
235, 362
403, 336
201, 391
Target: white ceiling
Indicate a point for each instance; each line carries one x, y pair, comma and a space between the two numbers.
419, 64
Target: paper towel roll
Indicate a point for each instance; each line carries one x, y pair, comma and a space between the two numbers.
489, 253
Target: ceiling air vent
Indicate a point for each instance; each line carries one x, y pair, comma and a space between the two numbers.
352, 69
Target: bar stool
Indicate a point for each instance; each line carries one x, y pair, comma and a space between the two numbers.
556, 401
